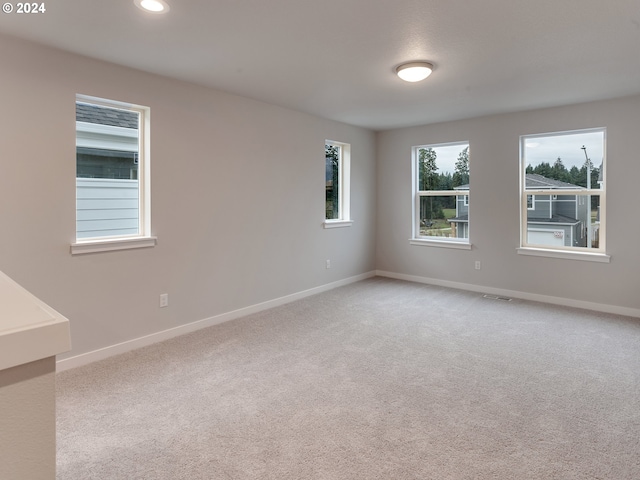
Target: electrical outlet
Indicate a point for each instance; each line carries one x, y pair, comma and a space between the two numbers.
478, 265
328, 264
164, 300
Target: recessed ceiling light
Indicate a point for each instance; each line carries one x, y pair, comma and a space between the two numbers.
153, 6
414, 71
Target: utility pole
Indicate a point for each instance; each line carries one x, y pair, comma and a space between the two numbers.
588, 164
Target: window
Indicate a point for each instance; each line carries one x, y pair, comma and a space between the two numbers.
337, 172
441, 195
530, 203
112, 176
562, 191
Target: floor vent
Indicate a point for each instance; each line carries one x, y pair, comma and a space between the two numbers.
496, 297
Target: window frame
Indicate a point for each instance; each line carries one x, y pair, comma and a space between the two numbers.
143, 238
433, 241
344, 186
598, 254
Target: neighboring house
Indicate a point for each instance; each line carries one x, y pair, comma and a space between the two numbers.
551, 219
107, 195
460, 223
560, 220
106, 142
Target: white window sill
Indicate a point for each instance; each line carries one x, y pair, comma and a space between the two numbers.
102, 245
585, 256
337, 223
440, 243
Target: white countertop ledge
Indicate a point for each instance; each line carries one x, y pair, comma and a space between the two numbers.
30, 330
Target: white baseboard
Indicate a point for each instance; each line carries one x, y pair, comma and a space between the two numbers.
110, 351
567, 302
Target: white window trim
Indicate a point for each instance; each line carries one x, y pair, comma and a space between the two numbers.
337, 223
578, 255
416, 238
344, 187
572, 253
448, 243
108, 245
144, 239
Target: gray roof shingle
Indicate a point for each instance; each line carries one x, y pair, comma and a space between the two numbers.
86, 112
533, 180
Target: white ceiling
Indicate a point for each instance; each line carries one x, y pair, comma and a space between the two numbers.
336, 58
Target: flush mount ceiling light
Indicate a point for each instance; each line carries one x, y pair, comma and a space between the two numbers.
414, 71
153, 6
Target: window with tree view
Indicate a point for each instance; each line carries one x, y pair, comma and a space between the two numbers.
562, 191
337, 163
441, 192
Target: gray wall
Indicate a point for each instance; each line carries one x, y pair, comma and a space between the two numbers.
237, 200
28, 421
494, 210
251, 176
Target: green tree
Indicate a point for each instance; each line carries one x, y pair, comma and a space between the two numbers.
574, 175
544, 169
445, 181
428, 179
461, 173
427, 175
559, 171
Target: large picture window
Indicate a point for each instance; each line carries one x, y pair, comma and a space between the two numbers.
562, 191
441, 193
112, 172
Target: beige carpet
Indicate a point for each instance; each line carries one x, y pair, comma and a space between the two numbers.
381, 379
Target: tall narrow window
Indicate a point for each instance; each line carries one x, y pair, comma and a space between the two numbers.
441, 194
112, 172
337, 184
562, 191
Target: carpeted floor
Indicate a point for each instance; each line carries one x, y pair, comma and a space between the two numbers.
381, 379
